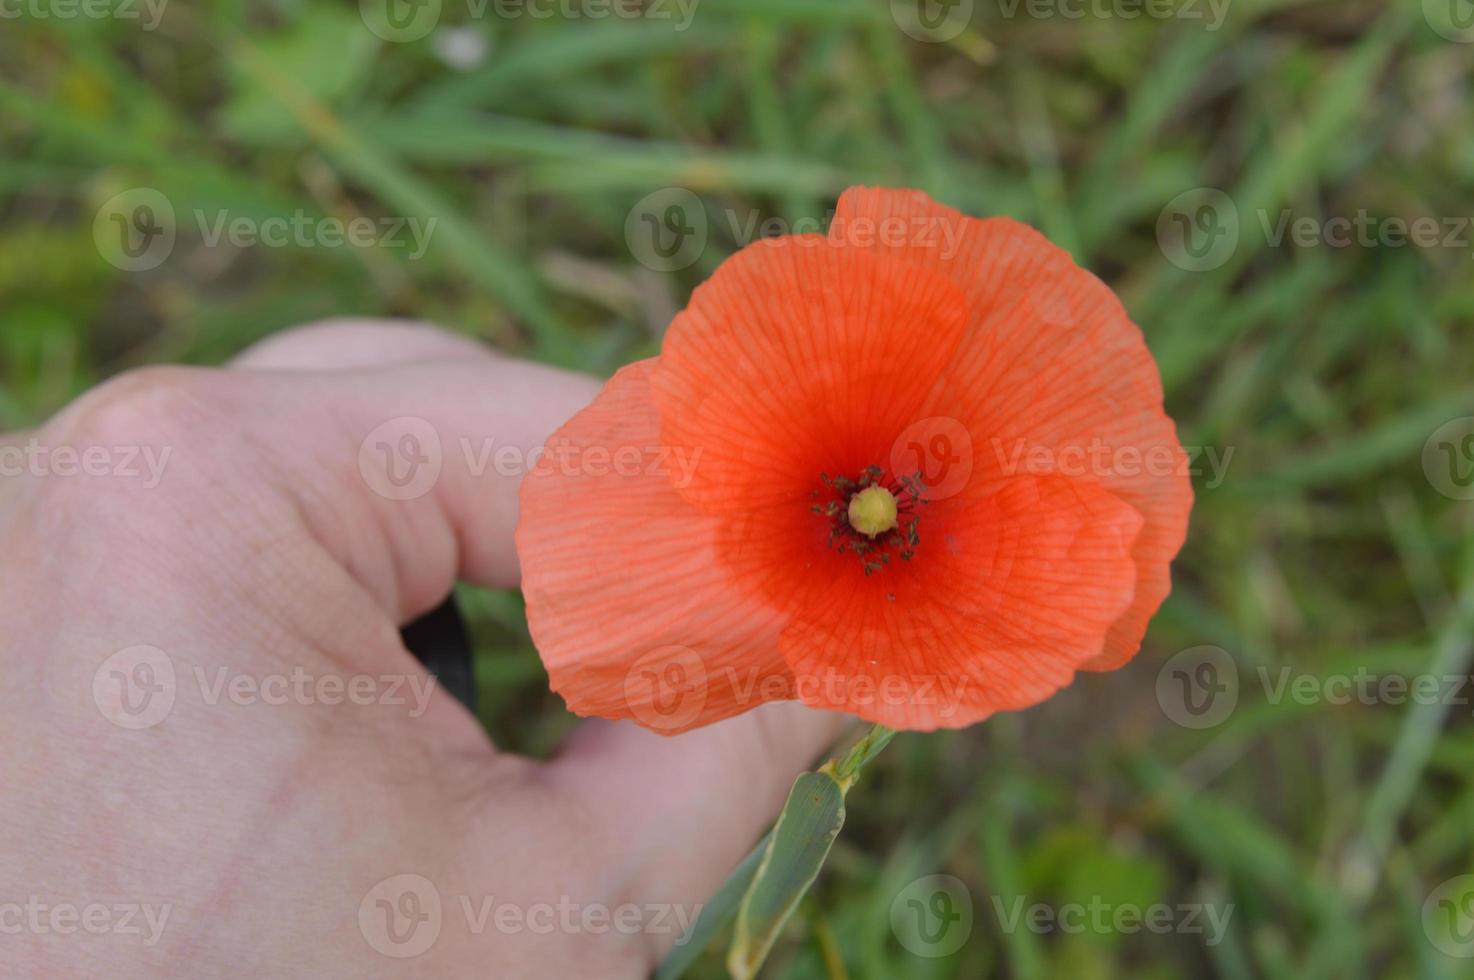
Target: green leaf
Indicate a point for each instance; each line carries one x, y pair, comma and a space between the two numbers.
796, 851
713, 915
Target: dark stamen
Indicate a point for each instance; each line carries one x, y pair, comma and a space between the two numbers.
874, 553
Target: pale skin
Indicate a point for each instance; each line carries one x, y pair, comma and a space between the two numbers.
262, 823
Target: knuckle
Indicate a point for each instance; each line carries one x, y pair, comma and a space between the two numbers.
116, 456
151, 405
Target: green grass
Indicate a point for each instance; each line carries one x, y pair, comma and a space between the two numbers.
1323, 369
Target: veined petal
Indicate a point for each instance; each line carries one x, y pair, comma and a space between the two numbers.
1052, 376
629, 607
798, 357
1015, 594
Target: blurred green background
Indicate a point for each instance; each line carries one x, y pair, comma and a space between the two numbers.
1338, 538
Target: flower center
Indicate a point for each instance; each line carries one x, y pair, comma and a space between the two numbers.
873, 519
873, 511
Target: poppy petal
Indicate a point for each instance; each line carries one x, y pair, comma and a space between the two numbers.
1052, 377
627, 604
1015, 594
797, 356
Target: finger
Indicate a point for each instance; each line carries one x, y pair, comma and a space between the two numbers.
404, 468
684, 811
354, 344
407, 466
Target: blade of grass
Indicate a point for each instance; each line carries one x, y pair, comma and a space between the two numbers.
1453, 652
486, 262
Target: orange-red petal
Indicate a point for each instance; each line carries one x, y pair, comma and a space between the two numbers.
1052, 376
1006, 599
798, 357
632, 613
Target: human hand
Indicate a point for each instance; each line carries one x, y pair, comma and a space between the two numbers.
220, 759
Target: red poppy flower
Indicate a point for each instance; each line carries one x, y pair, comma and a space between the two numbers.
916, 470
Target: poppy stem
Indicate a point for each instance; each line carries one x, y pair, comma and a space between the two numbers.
847, 769
765, 889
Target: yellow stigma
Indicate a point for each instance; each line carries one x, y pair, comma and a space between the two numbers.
873, 511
